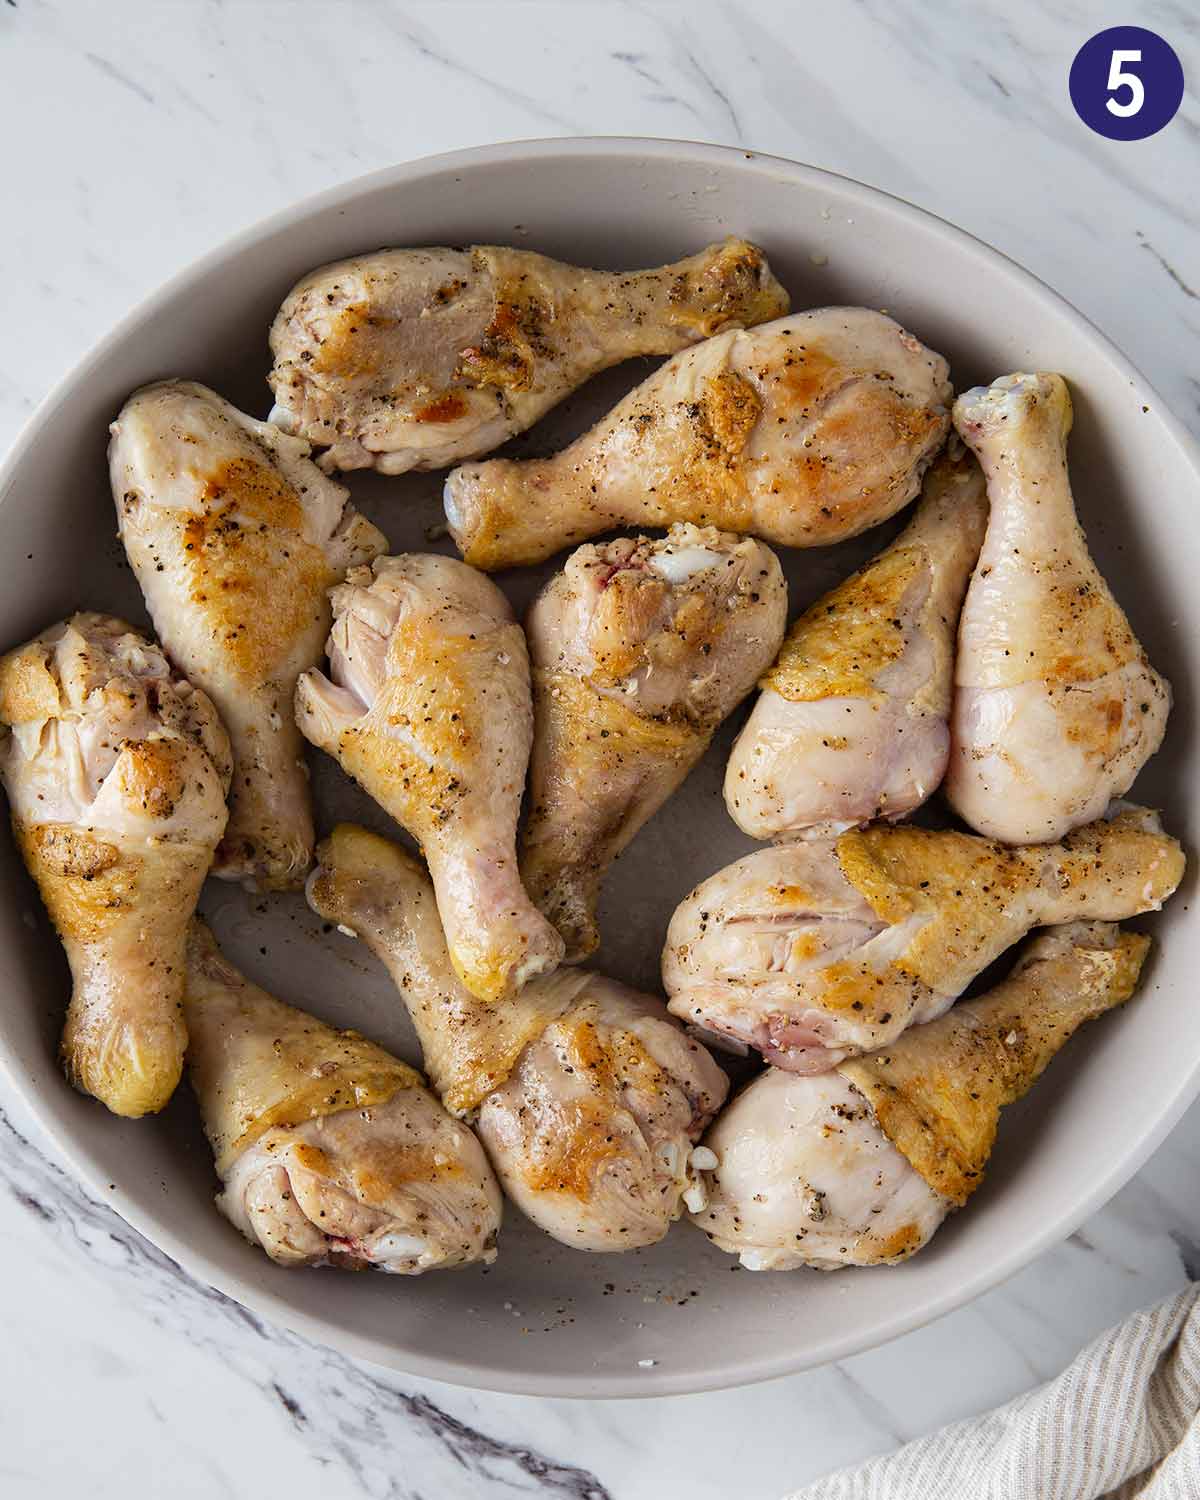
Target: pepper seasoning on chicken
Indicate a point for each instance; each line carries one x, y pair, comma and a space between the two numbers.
1056, 707
804, 431
852, 721
235, 537
640, 649
860, 1166
416, 359
588, 1098
116, 771
330, 1151
821, 950
427, 706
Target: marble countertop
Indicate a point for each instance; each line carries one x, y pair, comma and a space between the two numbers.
141, 133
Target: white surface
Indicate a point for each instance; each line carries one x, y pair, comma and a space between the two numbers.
144, 134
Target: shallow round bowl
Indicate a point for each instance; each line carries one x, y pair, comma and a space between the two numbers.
679, 1317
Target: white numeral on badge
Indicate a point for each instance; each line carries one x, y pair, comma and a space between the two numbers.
1118, 78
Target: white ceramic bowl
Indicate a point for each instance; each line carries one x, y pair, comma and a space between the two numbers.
545, 1319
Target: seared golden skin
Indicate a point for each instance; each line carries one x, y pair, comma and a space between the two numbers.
256, 1063
840, 644
1056, 706
429, 710
804, 431
116, 771
980, 896
640, 649
371, 886
860, 1166
817, 951
938, 1091
330, 1150
416, 359
599, 772
852, 721
236, 538
589, 1098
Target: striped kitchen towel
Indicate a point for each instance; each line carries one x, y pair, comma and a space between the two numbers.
1123, 1421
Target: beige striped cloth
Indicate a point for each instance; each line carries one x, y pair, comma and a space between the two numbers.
1121, 1422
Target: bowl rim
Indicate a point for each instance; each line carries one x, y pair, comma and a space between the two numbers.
275, 1306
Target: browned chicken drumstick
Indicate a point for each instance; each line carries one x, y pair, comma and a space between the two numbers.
859, 1166
427, 705
1056, 706
852, 721
415, 359
640, 649
330, 1151
236, 538
803, 431
588, 1098
821, 950
116, 771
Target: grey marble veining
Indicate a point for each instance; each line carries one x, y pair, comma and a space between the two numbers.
350, 1417
141, 133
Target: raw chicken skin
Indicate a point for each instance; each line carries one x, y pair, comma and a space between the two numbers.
428, 707
589, 1099
851, 723
804, 431
236, 538
116, 771
640, 649
861, 1165
416, 359
817, 951
1056, 707
330, 1151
